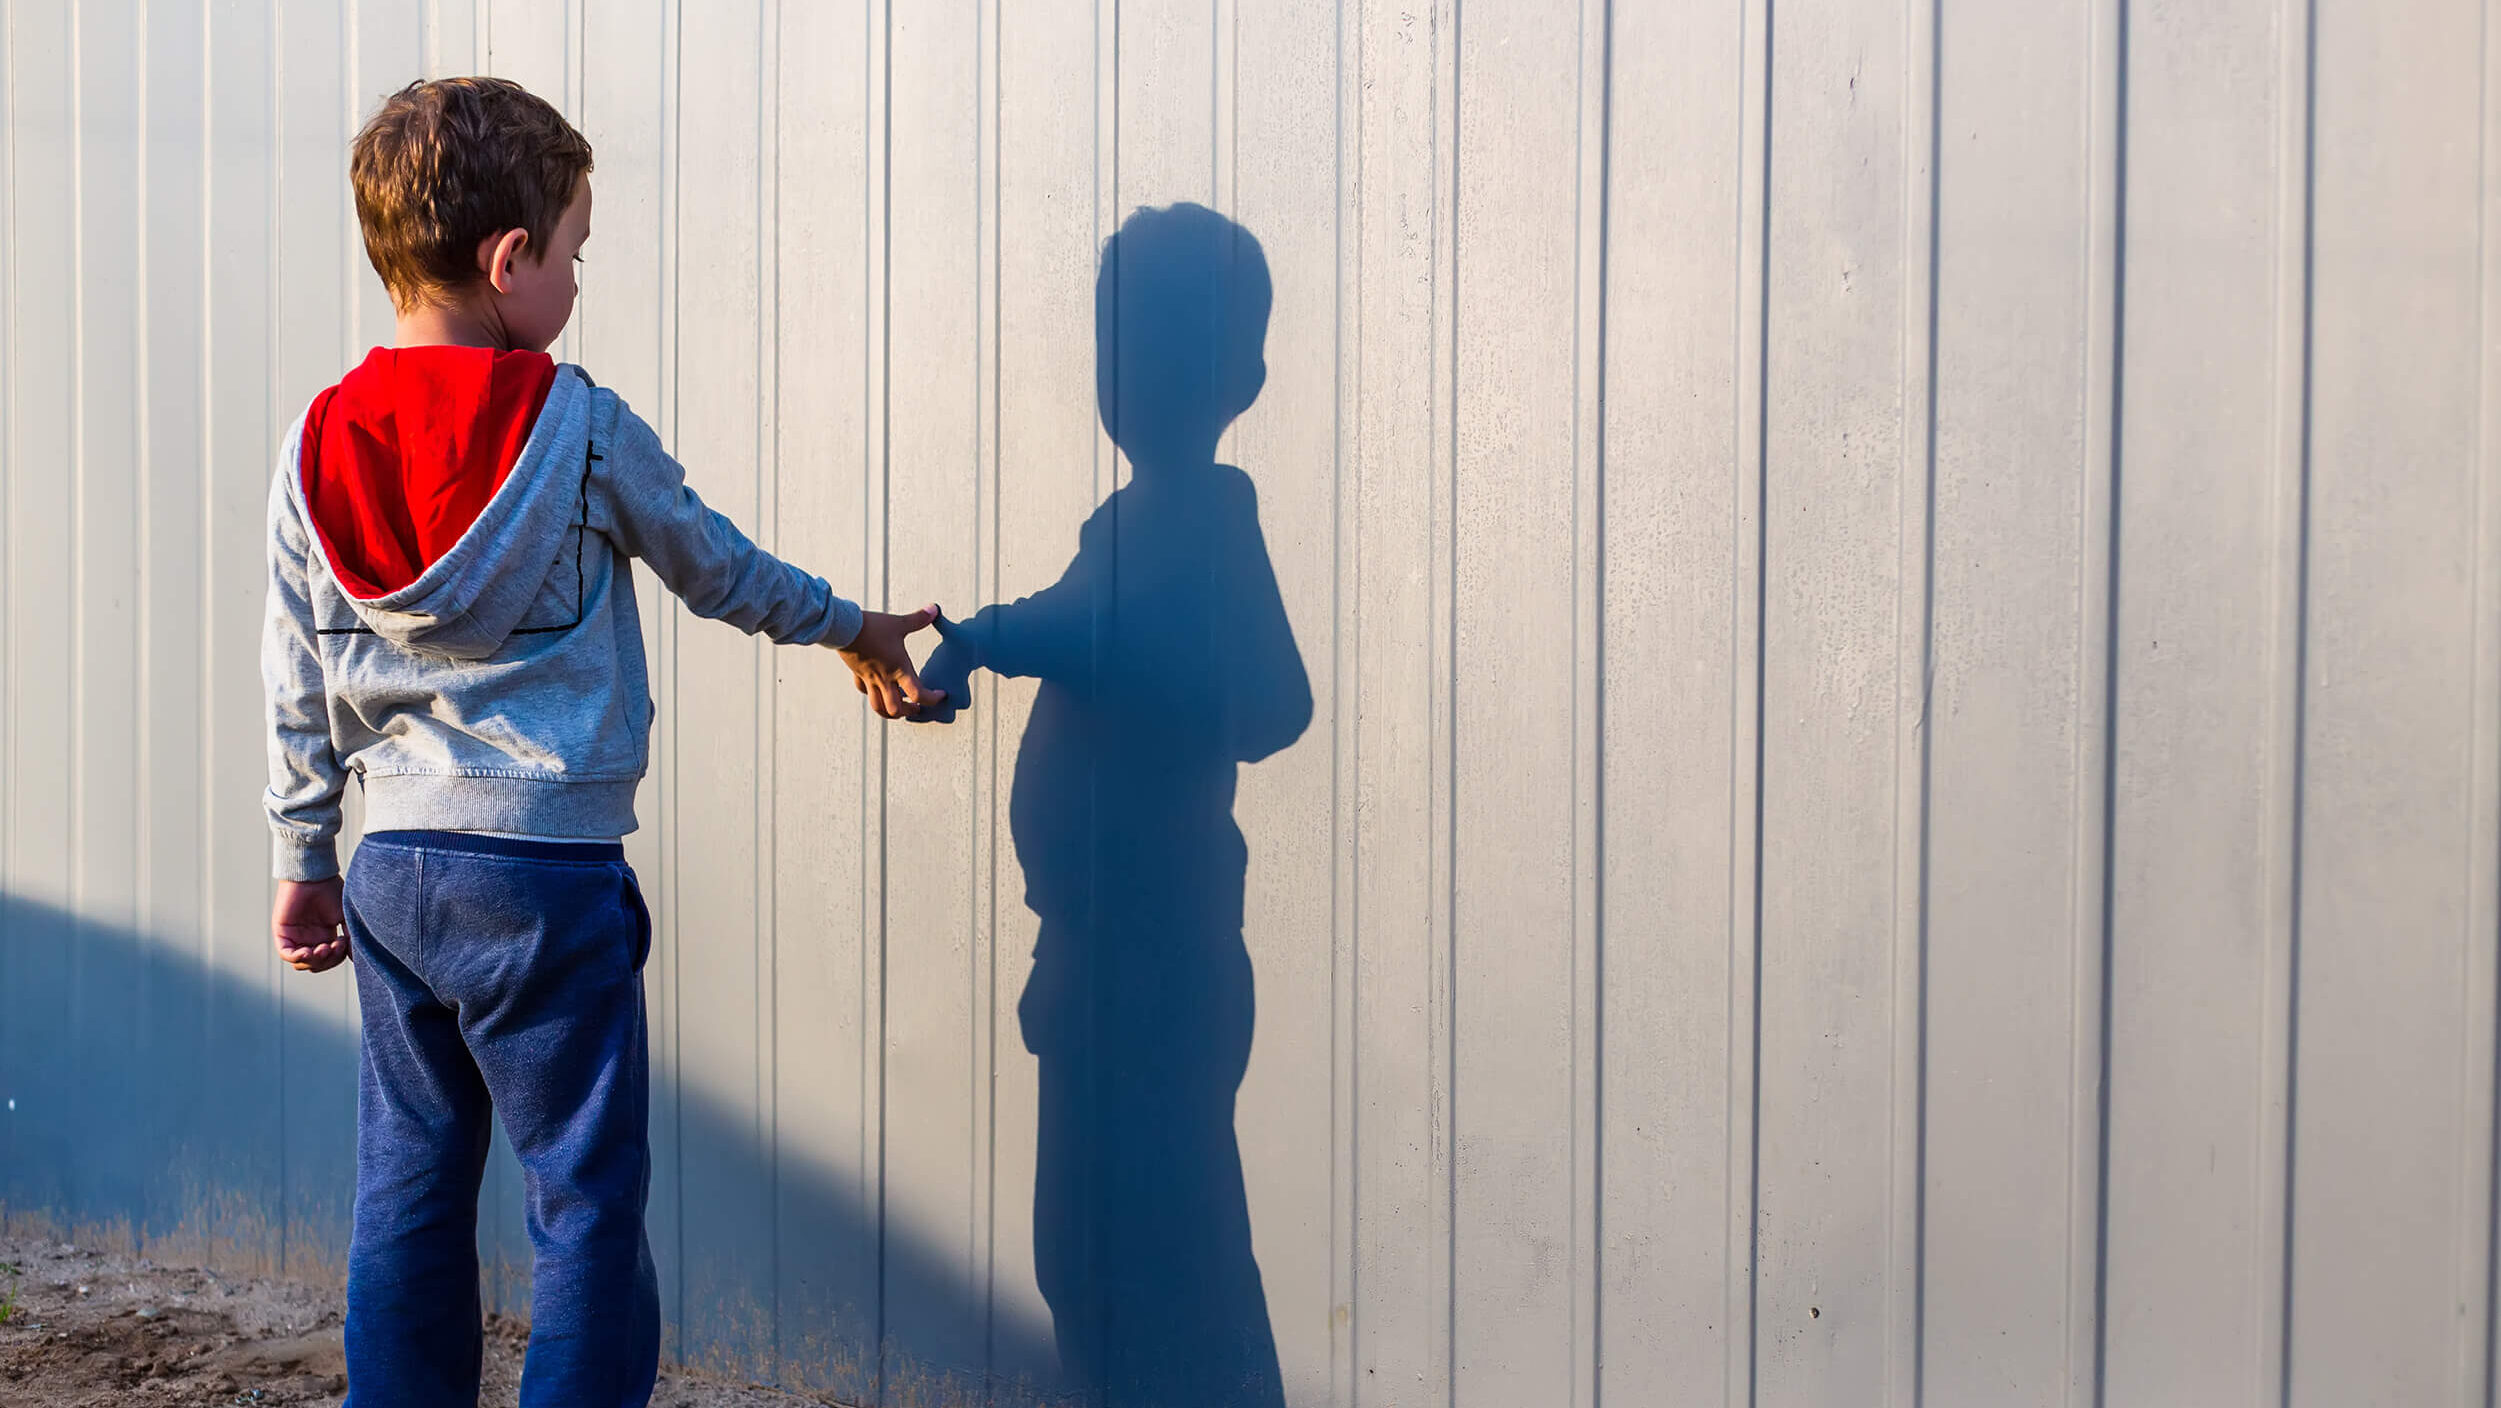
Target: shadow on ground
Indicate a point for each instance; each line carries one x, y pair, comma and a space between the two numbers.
156, 1106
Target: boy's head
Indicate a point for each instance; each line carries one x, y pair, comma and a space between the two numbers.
475, 192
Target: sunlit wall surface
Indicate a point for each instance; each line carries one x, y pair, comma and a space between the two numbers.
1835, 736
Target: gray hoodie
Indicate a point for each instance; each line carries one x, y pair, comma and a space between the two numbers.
504, 688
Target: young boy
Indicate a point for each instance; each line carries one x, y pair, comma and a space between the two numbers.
451, 619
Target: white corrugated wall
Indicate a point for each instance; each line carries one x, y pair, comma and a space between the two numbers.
1903, 604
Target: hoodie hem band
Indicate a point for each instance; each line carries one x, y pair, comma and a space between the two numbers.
440, 802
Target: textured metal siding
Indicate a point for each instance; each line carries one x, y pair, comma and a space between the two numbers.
1902, 601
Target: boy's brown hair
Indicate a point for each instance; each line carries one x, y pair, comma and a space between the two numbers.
446, 162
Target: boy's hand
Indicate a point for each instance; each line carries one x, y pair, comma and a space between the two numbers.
881, 664
306, 923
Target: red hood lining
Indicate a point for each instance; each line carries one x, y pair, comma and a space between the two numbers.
401, 457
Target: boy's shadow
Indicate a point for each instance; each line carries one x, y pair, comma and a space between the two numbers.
1165, 662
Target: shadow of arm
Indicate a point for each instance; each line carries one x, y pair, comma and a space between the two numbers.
1272, 690
1048, 635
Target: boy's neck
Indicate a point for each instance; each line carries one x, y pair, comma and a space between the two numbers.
450, 325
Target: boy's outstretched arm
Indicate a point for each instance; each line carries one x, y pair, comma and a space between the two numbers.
648, 509
305, 778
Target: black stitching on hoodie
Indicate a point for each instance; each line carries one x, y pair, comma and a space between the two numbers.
581, 536
581, 589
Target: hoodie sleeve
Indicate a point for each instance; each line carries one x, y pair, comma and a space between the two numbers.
648, 510
305, 777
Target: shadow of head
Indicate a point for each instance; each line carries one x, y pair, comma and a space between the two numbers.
1180, 326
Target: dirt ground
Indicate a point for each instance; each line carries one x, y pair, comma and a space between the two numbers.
90, 1329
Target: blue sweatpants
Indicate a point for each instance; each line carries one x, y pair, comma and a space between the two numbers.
502, 975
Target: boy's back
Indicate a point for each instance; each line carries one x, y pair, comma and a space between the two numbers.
451, 620
452, 527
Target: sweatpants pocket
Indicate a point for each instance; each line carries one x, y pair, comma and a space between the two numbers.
642, 915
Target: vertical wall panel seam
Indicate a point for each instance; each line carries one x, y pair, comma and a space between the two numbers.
1439, 764
1578, 1257
1230, 76
881, 472
75, 680
142, 910
203, 730
194, 618
9, 712
277, 207
2093, 931
1448, 812
987, 584
1588, 718
768, 671
351, 43
982, 1009
2484, 857
2478, 1086
275, 111
2280, 1061
1107, 218
1916, 811
143, 834
870, 1035
668, 216
1760, 563
1105, 158
1345, 738
1219, 106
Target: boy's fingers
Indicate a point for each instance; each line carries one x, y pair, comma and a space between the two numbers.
921, 618
320, 960
313, 957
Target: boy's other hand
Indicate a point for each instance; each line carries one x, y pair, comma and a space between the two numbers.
881, 664
306, 923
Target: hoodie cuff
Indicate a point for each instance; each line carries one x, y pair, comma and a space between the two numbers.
293, 860
842, 623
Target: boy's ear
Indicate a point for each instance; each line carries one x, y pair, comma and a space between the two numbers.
496, 254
